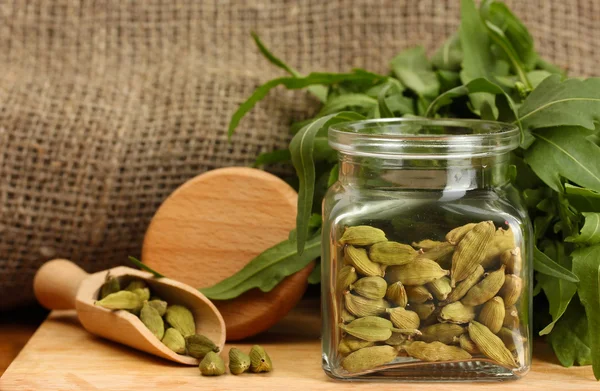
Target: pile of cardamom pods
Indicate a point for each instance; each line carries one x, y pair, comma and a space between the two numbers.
433, 301
175, 326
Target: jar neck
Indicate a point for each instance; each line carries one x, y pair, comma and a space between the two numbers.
424, 174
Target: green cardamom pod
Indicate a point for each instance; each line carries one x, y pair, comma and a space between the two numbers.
492, 314
260, 360
396, 294
503, 240
511, 318
418, 272
396, 339
418, 294
511, 290
198, 346
427, 244
346, 316
239, 362
458, 233
346, 277
440, 288
181, 319
349, 344
490, 345
159, 305
486, 289
512, 260
143, 293
403, 319
362, 235
457, 312
358, 258
463, 287
122, 300
435, 351
511, 339
140, 288
212, 365
174, 340
470, 251
111, 285
424, 310
152, 320
392, 253
442, 332
360, 306
467, 344
369, 358
370, 287
369, 328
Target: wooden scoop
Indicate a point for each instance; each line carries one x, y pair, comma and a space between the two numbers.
61, 284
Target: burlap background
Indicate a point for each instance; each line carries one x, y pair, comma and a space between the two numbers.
107, 106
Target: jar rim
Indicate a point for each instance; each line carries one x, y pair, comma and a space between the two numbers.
423, 138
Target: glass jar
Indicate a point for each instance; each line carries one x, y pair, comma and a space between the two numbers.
427, 253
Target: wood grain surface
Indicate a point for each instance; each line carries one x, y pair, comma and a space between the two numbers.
62, 356
212, 226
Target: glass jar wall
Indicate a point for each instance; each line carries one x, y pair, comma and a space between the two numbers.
426, 253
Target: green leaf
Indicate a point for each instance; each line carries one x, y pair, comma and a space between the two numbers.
549, 67
586, 264
569, 337
301, 148
448, 79
555, 103
504, 43
543, 264
145, 267
384, 110
537, 77
585, 200
590, 232
333, 175
413, 69
320, 92
294, 83
565, 152
315, 276
478, 61
277, 156
347, 101
449, 56
267, 270
558, 292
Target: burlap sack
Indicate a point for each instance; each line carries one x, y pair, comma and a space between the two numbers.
107, 106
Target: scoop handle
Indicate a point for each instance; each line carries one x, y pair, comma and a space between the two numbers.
56, 284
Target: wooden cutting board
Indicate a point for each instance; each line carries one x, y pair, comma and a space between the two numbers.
63, 356
212, 226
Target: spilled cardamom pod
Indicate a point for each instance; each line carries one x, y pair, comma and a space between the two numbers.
181, 319
239, 362
463, 287
260, 360
358, 258
440, 288
369, 358
442, 332
403, 319
467, 344
212, 365
396, 294
427, 244
511, 318
369, 328
346, 316
111, 285
512, 260
418, 272
349, 344
158, 305
346, 277
121, 300
457, 312
197, 345
370, 287
470, 251
418, 294
392, 253
435, 351
174, 340
511, 290
456, 235
490, 345
362, 235
152, 320
360, 306
502, 240
486, 289
492, 314
423, 310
